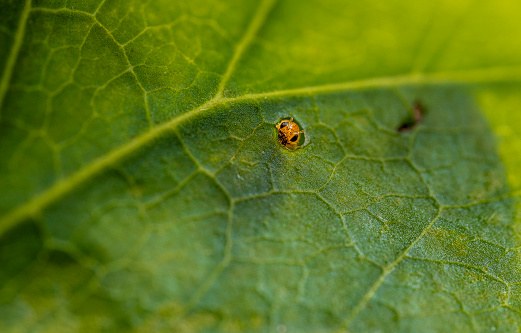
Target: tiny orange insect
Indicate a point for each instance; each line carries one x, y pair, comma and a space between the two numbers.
289, 134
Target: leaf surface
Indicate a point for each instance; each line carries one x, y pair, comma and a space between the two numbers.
143, 187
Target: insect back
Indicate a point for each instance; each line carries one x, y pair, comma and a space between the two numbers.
289, 134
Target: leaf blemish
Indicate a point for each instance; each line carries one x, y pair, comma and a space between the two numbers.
418, 112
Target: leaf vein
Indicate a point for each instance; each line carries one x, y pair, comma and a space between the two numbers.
13, 55
374, 288
257, 22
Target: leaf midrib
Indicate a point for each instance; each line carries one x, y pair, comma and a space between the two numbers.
64, 186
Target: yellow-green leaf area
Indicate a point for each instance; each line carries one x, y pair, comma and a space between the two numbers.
143, 187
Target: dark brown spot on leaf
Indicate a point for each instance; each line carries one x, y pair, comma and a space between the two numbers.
418, 111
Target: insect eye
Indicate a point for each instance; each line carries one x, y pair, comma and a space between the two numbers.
284, 124
294, 138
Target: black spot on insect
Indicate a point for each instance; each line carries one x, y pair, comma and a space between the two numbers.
418, 112
284, 124
294, 138
282, 138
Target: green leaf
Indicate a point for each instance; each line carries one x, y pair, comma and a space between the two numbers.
143, 188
